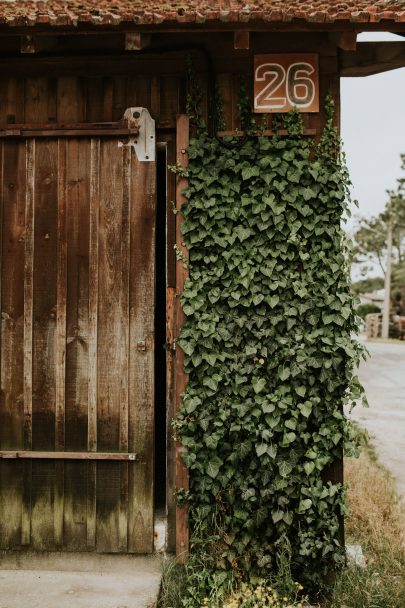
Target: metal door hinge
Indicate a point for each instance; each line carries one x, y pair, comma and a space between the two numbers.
144, 141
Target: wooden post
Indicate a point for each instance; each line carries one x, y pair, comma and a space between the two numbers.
182, 479
387, 285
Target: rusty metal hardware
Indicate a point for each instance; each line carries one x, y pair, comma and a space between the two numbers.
170, 345
141, 345
144, 143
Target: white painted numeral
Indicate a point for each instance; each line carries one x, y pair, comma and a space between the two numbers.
277, 76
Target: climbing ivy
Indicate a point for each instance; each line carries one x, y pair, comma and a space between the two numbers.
268, 348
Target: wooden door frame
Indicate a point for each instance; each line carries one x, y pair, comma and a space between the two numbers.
182, 476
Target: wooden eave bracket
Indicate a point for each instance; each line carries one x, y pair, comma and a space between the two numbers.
346, 40
241, 40
136, 41
30, 45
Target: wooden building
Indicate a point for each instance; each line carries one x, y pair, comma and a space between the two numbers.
92, 111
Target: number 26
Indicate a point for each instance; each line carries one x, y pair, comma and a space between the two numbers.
297, 77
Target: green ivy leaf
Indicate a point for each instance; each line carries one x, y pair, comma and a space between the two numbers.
304, 505
258, 385
305, 408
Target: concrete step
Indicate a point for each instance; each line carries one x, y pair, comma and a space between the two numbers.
78, 580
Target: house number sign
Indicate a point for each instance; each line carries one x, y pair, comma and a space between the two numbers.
284, 82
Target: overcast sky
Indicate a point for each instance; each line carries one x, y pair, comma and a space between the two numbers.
373, 132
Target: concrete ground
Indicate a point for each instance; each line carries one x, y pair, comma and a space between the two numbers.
383, 377
78, 581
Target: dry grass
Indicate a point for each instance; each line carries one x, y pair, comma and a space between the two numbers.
375, 509
376, 522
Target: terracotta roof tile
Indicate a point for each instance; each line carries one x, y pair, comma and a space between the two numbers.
114, 12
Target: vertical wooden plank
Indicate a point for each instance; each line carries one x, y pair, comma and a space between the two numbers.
93, 326
141, 368
36, 100
12, 232
170, 412
28, 335
44, 341
91, 505
28, 290
77, 333
52, 100
108, 97
12, 228
182, 480
94, 99
60, 341
3, 99
140, 90
70, 106
124, 397
16, 101
155, 97
112, 371
225, 90
61, 297
124, 304
235, 101
170, 215
93, 291
119, 97
169, 100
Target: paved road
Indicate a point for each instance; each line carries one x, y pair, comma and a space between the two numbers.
383, 377
78, 580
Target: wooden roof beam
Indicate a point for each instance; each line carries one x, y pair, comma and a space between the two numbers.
372, 58
347, 40
36, 44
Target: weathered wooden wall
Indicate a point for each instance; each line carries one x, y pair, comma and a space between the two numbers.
77, 289
93, 79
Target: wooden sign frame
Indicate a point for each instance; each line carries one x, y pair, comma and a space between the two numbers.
283, 82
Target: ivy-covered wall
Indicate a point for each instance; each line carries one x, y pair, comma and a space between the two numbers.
269, 351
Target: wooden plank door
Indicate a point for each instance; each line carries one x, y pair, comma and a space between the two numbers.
77, 324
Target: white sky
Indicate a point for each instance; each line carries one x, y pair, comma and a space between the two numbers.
373, 132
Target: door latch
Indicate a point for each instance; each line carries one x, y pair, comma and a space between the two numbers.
171, 346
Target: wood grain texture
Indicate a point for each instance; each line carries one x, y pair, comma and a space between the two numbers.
44, 91
28, 338
77, 334
182, 479
170, 413
12, 223
85, 224
61, 297
28, 290
44, 340
60, 338
93, 292
141, 364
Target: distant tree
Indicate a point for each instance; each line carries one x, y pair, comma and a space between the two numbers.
365, 309
370, 238
368, 285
